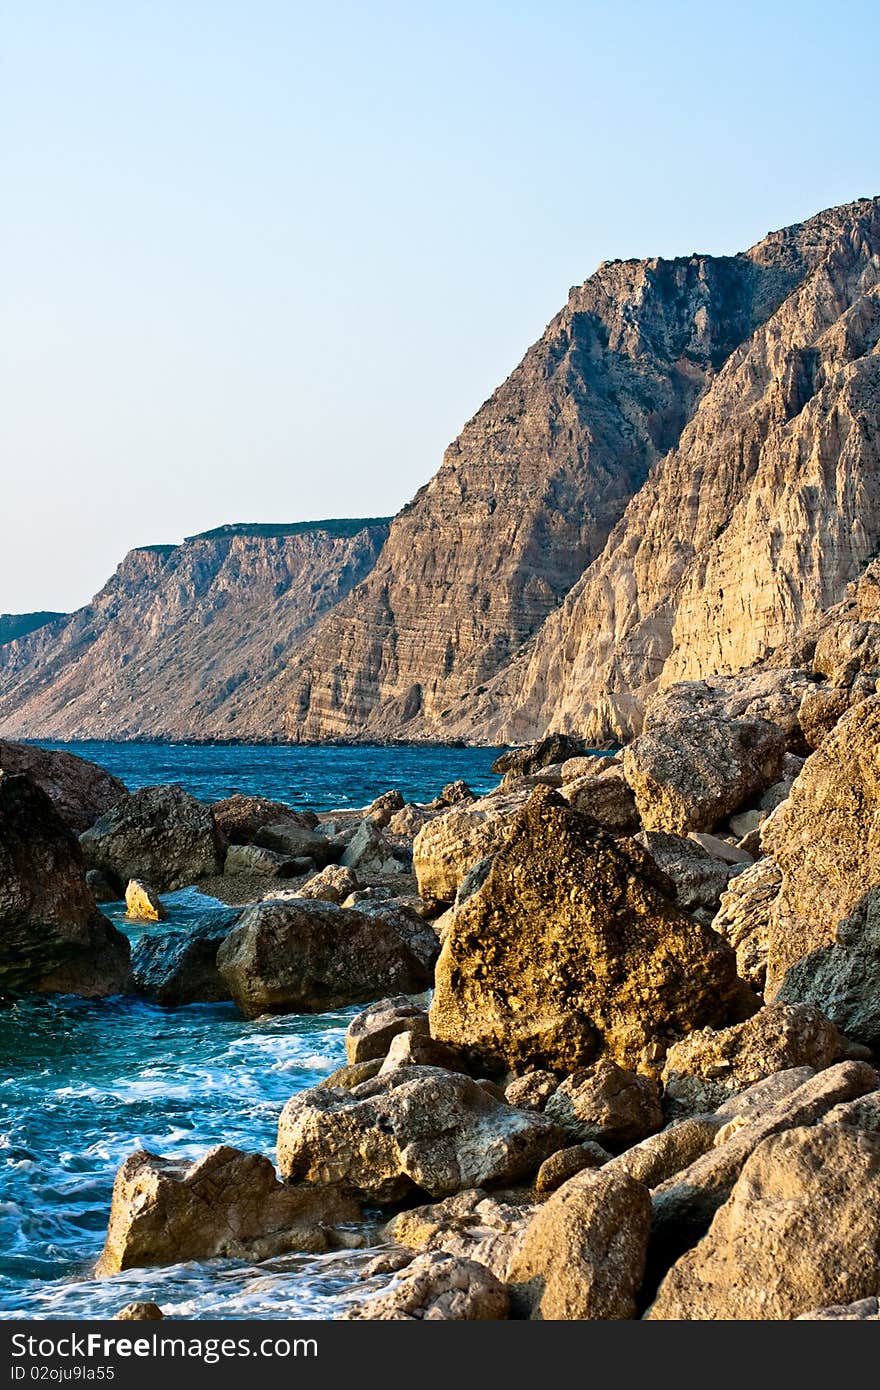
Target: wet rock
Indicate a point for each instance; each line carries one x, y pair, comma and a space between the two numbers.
573, 944
561, 1166
52, 937
607, 1105
142, 903
698, 876
79, 790
180, 967
708, 1066
532, 1091
450, 845
139, 1312
371, 854
607, 798
227, 1205
306, 956
413, 1128
437, 1287
333, 884
159, 834
583, 1253
743, 918
800, 1229
253, 859
843, 980
238, 817
370, 1033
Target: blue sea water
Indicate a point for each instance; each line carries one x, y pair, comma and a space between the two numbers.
84, 1083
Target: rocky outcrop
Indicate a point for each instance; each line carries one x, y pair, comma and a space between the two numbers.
52, 937
412, 1129
80, 791
307, 956
177, 641
228, 1205
573, 945
160, 834
438, 1287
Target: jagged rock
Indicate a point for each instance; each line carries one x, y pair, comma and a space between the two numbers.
305, 956
843, 980
79, 790
52, 937
419, 935
375, 893
826, 840
142, 903
180, 967
227, 1205
692, 773
747, 822
721, 849
239, 817
743, 918
437, 1287
663, 1155
555, 748
532, 1091
800, 1229
409, 1129
561, 1166
450, 845
685, 1203
573, 944
384, 807
699, 877
583, 1253
370, 1033
352, 1074
575, 769
607, 1105
139, 1312
160, 834
295, 840
254, 859
333, 884
607, 798
472, 1224
708, 1066
371, 854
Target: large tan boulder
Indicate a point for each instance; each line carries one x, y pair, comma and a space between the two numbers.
52, 936
826, 840
79, 790
583, 1253
227, 1205
160, 834
449, 845
663, 1155
307, 956
606, 797
410, 1129
573, 945
801, 1229
437, 1287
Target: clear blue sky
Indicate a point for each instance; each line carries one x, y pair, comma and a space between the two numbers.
262, 260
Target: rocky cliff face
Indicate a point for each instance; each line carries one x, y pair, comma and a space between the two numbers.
176, 642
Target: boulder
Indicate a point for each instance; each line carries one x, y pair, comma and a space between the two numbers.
708, 1066
607, 798
607, 1105
438, 1287
371, 854
370, 1033
826, 841
583, 1253
555, 748
305, 956
332, 885
227, 1205
180, 967
411, 1129
473, 1224
419, 935
384, 807
294, 840
263, 863
575, 769
239, 817
531, 1091
561, 1166
454, 793
448, 846
864, 1310
690, 771
699, 877
843, 980
409, 1049
142, 903
408, 821
663, 1155
102, 890
139, 1312
352, 1074
80, 791
160, 834
800, 1229
574, 945
743, 918
52, 936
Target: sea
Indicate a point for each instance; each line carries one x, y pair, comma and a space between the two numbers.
84, 1083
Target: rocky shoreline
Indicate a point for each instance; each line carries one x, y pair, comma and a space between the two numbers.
618, 1051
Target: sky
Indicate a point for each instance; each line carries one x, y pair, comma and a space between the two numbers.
261, 261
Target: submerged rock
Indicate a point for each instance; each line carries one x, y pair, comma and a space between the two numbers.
573, 945
142, 903
139, 1312
160, 834
438, 1287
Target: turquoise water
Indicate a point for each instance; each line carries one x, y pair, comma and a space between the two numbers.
87, 1082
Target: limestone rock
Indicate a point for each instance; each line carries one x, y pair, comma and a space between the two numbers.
452, 844
254, 859
607, 798
52, 937
384, 807
238, 818
142, 903
800, 1229
180, 967
590, 765
583, 1253
307, 956
227, 1205
743, 918
663, 1155
561, 1166
473, 1224
371, 854
843, 980
160, 834
699, 877
607, 1105
573, 944
294, 840
411, 1129
408, 821
370, 1033
864, 1309
333, 884
413, 1049
454, 793
79, 790
708, 1066
531, 1091
437, 1287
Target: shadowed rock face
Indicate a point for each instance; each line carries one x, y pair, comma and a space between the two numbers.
80, 791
